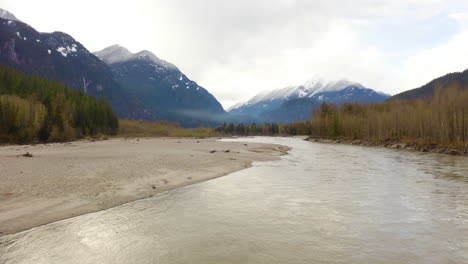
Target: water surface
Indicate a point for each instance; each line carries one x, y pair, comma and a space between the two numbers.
322, 203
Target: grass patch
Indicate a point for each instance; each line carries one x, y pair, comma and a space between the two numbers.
136, 128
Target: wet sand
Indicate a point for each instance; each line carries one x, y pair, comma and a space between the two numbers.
63, 180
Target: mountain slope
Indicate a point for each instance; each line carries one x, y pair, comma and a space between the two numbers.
295, 103
58, 56
33, 108
292, 110
352, 93
162, 87
7, 15
426, 91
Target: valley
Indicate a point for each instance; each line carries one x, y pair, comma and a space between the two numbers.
233, 132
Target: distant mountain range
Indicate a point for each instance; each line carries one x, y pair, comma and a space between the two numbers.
58, 56
143, 86
295, 103
137, 86
459, 79
162, 87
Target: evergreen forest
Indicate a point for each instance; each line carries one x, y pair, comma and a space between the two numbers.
34, 109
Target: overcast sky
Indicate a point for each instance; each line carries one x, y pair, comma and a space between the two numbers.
236, 49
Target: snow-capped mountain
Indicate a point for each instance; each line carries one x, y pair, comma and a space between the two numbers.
266, 105
118, 54
279, 94
7, 15
113, 54
308, 89
58, 56
162, 87
137, 86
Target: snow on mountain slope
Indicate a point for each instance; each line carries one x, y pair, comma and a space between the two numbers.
113, 54
285, 93
331, 86
7, 15
295, 103
163, 88
117, 54
308, 89
58, 56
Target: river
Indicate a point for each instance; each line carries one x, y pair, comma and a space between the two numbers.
321, 203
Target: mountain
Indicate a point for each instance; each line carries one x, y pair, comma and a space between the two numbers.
292, 110
426, 91
162, 87
36, 109
295, 103
7, 15
58, 56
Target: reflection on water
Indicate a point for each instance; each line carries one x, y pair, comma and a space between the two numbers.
322, 203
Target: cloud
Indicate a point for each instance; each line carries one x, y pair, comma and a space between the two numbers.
336, 54
427, 64
235, 49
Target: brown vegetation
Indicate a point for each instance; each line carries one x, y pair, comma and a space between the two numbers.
136, 128
441, 120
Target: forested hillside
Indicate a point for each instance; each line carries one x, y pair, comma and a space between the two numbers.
442, 119
58, 56
35, 109
459, 79
166, 92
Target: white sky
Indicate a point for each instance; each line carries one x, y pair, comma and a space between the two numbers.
236, 49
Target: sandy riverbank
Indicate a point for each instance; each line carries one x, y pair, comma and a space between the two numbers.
65, 180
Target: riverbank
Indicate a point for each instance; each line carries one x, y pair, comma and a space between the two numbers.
414, 146
62, 180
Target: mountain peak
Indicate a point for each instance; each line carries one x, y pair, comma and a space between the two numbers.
309, 89
117, 47
117, 53
114, 54
296, 103
7, 15
148, 56
320, 85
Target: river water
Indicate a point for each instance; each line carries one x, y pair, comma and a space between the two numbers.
322, 203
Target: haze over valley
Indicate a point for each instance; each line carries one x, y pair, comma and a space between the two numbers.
250, 131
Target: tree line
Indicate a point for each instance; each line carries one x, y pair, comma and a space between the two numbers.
35, 109
266, 129
442, 119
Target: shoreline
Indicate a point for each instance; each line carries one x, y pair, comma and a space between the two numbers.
64, 180
396, 144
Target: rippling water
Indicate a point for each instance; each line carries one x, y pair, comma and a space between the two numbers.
322, 203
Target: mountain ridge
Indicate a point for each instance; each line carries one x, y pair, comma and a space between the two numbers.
167, 92
5, 14
426, 91
308, 89
137, 85
58, 56
117, 53
279, 105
